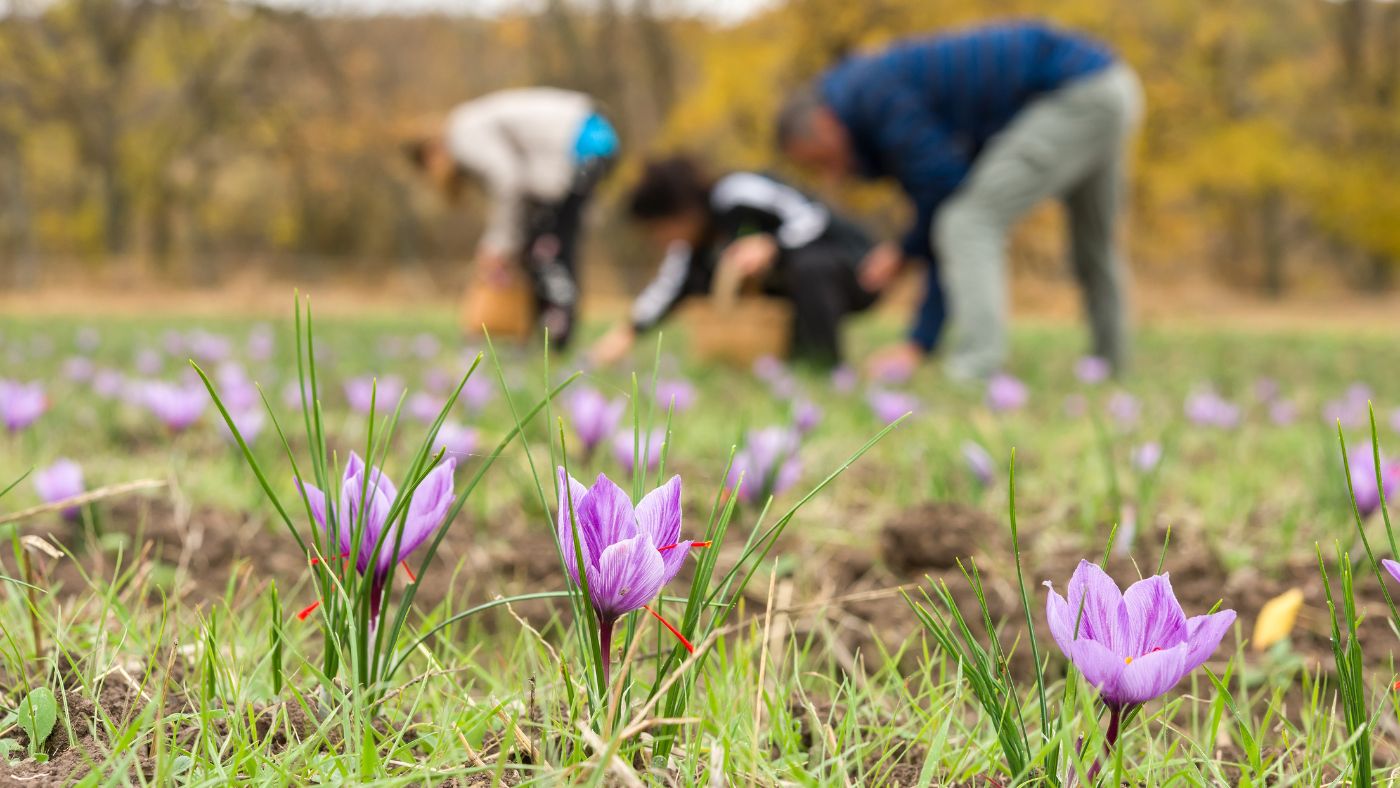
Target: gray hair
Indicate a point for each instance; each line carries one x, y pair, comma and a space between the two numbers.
795, 114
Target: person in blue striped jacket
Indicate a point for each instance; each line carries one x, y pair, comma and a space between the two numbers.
978, 126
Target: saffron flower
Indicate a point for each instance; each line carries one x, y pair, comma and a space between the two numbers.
1134, 645
889, 406
1266, 389
844, 379
1283, 412
676, 394
629, 552
177, 406
424, 407
1392, 567
59, 482
78, 369
593, 416
1006, 393
1092, 369
21, 404
625, 449
457, 441
477, 392
363, 390
250, 422
978, 461
1361, 463
806, 415
367, 493
767, 464
1146, 456
1124, 409
261, 342
1206, 408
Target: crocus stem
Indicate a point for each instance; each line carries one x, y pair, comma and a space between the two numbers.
605, 633
1110, 739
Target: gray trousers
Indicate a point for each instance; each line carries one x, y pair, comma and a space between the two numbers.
1071, 144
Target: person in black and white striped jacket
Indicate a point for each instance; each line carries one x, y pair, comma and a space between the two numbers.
795, 245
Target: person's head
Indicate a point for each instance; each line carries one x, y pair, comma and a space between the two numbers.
812, 136
430, 156
672, 200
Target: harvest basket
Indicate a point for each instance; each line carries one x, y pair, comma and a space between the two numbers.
737, 326
502, 304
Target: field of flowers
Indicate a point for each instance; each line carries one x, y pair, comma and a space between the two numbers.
354, 551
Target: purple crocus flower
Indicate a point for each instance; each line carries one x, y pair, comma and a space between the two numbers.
426, 346
477, 392
806, 415
363, 390
1361, 462
178, 407
1092, 369
148, 361
626, 452
767, 464
889, 406
424, 407
209, 347
457, 441
1124, 409
1206, 408
844, 379
78, 369
1146, 456
676, 394
371, 501
1006, 393
108, 383
1135, 645
593, 416
1266, 389
1392, 567
1283, 412
21, 404
978, 461
629, 552
261, 342
236, 389
249, 421
59, 482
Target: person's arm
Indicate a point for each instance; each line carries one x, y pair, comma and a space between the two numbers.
481, 146
668, 289
744, 203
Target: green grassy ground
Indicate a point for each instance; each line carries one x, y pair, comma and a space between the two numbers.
154, 630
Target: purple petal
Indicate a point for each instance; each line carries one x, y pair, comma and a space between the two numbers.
426, 512
1155, 618
659, 513
1060, 619
673, 559
317, 501
1392, 567
1099, 666
1203, 636
606, 516
1150, 675
1104, 617
570, 492
630, 574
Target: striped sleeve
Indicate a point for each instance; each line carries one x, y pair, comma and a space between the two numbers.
666, 290
799, 219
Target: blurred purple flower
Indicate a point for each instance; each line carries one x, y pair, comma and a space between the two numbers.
767, 464
372, 501
1124, 409
177, 406
1266, 389
1352, 409
424, 407
1006, 393
1135, 645
148, 361
593, 416
78, 369
1206, 408
651, 445
1391, 567
457, 441
261, 342
21, 404
978, 461
1146, 456
806, 415
108, 383
675, 393
250, 422
384, 392
629, 552
1361, 462
844, 379
426, 346
889, 406
238, 392
173, 342
59, 482
477, 392
209, 347
1092, 369
1283, 412
437, 381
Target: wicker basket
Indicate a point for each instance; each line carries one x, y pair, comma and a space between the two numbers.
736, 327
503, 305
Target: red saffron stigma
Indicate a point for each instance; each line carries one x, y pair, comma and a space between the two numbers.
1396, 686
412, 578
311, 608
678, 544
316, 559
672, 629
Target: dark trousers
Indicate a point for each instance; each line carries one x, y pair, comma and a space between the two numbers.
820, 280
552, 237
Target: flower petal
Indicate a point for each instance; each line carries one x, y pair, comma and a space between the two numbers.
316, 500
426, 513
1104, 617
659, 513
1060, 619
606, 516
571, 494
1099, 666
1151, 675
1155, 619
1392, 567
630, 574
673, 559
1203, 636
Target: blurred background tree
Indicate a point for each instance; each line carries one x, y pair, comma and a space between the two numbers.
184, 139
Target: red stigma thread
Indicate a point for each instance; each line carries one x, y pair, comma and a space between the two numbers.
672, 629
678, 544
311, 608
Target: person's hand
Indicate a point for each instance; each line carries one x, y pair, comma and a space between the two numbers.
613, 347
896, 363
880, 266
751, 255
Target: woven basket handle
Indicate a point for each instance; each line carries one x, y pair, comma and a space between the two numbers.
729, 286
